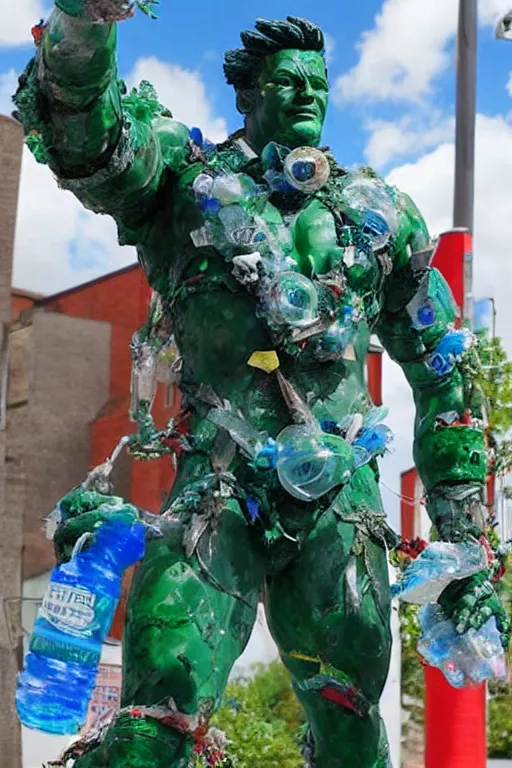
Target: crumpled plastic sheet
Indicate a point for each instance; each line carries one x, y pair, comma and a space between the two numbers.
436, 567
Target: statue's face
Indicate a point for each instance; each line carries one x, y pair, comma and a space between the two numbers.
288, 105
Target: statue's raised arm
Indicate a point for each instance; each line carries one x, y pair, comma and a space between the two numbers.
106, 146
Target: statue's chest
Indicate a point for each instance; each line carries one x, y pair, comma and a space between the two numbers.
310, 234
323, 241
313, 264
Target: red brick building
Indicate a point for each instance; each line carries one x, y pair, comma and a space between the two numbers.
69, 398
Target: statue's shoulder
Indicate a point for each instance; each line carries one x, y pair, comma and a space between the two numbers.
146, 115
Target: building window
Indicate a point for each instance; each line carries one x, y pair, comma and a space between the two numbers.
169, 396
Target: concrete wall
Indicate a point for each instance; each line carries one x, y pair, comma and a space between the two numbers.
11, 143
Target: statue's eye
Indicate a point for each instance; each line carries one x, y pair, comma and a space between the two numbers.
284, 81
319, 85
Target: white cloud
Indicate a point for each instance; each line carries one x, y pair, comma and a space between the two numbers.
8, 85
508, 86
58, 243
183, 92
407, 48
52, 232
330, 46
18, 18
403, 52
391, 140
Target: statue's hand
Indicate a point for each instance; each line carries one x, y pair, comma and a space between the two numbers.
471, 602
82, 512
102, 10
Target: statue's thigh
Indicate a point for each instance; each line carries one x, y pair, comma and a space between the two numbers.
331, 608
189, 618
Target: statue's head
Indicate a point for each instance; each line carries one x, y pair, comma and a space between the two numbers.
280, 79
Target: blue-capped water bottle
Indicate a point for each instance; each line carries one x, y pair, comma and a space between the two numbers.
55, 687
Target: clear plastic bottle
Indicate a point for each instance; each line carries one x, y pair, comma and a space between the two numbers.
55, 687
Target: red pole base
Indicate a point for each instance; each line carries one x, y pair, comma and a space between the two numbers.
454, 724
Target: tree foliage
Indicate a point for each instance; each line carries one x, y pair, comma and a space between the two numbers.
495, 380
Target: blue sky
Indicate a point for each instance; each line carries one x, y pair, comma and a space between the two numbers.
194, 36
392, 71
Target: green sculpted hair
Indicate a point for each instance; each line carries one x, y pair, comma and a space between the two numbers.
243, 66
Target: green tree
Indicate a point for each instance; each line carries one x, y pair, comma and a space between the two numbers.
495, 379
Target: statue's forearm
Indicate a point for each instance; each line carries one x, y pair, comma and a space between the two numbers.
440, 364
76, 70
105, 146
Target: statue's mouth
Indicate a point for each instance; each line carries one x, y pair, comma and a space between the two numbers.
304, 114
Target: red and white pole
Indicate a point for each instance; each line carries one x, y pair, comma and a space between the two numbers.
455, 719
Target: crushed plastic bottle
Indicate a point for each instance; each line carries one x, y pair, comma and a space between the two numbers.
144, 362
237, 224
227, 188
311, 463
449, 350
247, 437
374, 416
436, 567
333, 342
364, 198
467, 659
307, 169
376, 228
292, 300
372, 442
54, 689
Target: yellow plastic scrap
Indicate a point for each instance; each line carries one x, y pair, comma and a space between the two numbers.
265, 361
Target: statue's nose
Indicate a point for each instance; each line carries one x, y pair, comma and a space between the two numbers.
306, 92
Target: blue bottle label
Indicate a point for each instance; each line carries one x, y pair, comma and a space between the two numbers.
70, 609
53, 649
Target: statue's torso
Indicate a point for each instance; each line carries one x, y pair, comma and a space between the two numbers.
219, 322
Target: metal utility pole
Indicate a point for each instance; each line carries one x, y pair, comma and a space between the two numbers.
463, 205
11, 527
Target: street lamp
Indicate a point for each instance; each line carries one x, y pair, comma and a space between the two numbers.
504, 27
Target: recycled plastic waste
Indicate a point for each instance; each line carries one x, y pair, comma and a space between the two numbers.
293, 299
450, 349
310, 459
311, 463
467, 659
437, 566
55, 687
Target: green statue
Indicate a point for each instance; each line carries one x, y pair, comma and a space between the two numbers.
273, 266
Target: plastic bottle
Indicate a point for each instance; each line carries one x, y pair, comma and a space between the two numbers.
467, 659
55, 687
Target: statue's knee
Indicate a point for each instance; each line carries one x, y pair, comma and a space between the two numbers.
161, 667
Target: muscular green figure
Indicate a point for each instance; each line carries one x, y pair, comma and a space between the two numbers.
275, 265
